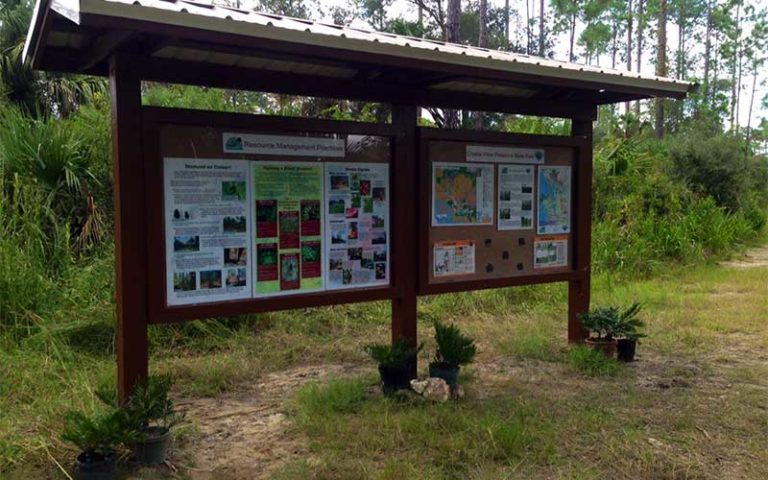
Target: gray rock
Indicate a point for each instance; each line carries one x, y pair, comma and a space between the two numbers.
437, 390
419, 386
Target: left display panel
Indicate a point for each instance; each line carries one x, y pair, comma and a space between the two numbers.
249, 216
207, 230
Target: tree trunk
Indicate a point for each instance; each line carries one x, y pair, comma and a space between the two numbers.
454, 36
629, 46
751, 104
541, 28
734, 65
640, 32
661, 64
527, 27
482, 42
506, 23
707, 53
614, 45
571, 58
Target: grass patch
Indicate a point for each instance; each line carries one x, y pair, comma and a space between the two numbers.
516, 413
337, 396
592, 362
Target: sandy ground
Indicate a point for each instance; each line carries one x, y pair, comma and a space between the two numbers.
755, 258
247, 434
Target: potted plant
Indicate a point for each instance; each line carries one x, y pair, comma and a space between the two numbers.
150, 414
98, 438
454, 349
394, 363
629, 333
603, 325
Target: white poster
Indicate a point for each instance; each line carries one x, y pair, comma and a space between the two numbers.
453, 258
207, 230
550, 252
462, 194
554, 205
482, 153
356, 224
515, 197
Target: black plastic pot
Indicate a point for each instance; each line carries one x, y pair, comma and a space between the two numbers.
626, 350
154, 448
92, 466
448, 372
394, 378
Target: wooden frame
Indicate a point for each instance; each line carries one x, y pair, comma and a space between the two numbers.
139, 229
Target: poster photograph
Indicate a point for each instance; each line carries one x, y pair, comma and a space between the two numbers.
207, 230
462, 194
515, 211
453, 258
356, 224
550, 252
287, 197
554, 200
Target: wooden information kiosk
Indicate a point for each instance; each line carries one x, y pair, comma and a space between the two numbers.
221, 214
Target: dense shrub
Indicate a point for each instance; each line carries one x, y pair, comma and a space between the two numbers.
649, 212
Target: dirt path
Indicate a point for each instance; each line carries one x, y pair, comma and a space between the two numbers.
753, 258
247, 434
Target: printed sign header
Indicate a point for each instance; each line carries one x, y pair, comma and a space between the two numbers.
283, 145
479, 153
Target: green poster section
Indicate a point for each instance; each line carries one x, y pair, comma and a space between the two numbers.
288, 237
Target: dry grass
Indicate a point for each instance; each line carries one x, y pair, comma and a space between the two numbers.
694, 406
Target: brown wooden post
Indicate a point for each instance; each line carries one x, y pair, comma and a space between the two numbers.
405, 226
579, 290
130, 226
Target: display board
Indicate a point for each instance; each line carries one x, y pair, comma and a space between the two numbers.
251, 215
495, 210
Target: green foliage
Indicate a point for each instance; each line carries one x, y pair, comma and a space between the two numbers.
453, 347
100, 434
55, 156
149, 404
646, 216
715, 166
611, 322
592, 362
397, 355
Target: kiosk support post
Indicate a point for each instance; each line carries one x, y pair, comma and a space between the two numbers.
405, 186
130, 227
579, 290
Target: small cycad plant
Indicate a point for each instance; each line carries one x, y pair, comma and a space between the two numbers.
397, 355
149, 404
453, 347
98, 436
394, 363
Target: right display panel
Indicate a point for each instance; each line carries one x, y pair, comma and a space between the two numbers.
497, 210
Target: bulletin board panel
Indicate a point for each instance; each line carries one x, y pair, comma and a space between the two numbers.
501, 257
176, 133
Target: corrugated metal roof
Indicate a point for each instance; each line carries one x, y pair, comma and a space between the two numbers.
200, 15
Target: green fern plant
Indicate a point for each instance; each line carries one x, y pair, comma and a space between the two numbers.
98, 436
453, 347
609, 323
397, 355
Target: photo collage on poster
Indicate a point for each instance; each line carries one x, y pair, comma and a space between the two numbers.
463, 196
238, 229
357, 225
207, 230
